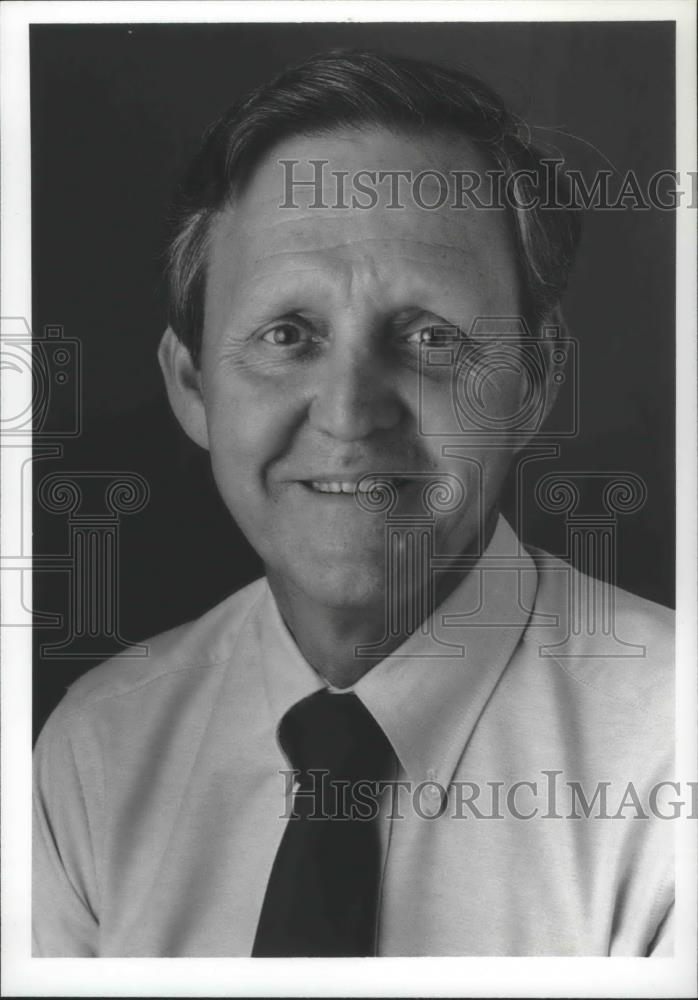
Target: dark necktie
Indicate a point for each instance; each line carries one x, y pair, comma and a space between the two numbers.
322, 895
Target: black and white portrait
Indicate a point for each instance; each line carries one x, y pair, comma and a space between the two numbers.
352, 474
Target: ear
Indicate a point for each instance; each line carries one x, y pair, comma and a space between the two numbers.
183, 383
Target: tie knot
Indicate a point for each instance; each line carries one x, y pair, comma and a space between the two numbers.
335, 733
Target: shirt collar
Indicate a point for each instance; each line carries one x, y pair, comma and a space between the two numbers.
427, 697
288, 677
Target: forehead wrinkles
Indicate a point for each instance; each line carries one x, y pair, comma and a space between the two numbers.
259, 213
351, 273
260, 216
372, 266
255, 239
264, 240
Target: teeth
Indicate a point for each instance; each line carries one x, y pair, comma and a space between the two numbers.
323, 487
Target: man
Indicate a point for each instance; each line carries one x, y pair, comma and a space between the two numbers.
339, 303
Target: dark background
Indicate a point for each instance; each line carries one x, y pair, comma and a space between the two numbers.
117, 110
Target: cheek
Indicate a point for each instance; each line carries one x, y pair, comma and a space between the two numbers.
453, 422
501, 394
241, 438
248, 427
490, 394
483, 400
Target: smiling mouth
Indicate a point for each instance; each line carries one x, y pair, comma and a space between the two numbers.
350, 487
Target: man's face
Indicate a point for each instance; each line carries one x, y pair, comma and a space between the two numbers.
310, 358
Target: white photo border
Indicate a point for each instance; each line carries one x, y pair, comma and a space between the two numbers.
23, 975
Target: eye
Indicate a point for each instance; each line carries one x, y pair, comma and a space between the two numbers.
435, 335
285, 335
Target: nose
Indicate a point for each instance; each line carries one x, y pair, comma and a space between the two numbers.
355, 395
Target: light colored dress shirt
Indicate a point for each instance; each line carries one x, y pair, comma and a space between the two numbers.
161, 795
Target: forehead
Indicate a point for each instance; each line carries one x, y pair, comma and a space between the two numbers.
280, 227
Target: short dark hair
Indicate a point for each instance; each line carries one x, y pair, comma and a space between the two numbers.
356, 88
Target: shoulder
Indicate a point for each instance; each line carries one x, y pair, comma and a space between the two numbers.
616, 644
182, 654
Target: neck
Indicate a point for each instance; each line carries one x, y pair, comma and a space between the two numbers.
328, 636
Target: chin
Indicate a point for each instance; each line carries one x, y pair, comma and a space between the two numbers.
351, 585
